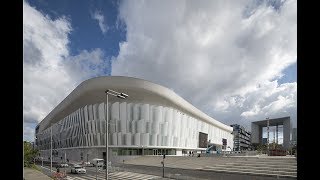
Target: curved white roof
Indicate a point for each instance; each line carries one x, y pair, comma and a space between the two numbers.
92, 91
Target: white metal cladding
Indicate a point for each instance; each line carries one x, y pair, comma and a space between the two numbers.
131, 124
92, 91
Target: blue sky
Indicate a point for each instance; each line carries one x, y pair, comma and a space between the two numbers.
244, 52
290, 74
86, 33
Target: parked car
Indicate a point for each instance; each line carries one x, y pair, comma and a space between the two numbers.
109, 165
97, 162
78, 169
64, 165
87, 164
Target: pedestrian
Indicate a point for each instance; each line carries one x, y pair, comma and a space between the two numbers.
192, 154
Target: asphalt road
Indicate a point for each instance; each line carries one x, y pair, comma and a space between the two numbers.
171, 173
89, 170
195, 174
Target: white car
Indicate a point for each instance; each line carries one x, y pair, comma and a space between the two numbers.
64, 165
87, 164
97, 162
78, 169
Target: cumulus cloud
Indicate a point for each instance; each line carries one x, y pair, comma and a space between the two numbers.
215, 54
28, 133
100, 18
49, 72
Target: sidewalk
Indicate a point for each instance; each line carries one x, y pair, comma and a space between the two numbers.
32, 174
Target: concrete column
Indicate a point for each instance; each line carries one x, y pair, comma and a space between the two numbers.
277, 134
255, 133
286, 133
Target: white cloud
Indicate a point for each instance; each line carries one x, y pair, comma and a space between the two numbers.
28, 134
49, 72
100, 18
271, 100
214, 53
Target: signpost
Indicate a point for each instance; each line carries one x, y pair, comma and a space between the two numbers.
164, 156
97, 172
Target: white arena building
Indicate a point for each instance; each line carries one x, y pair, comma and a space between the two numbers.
153, 120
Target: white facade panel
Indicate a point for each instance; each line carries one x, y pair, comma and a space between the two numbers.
95, 108
136, 123
134, 126
153, 140
141, 127
120, 139
114, 139
128, 139
144, 139
115, 111
136, 111
136, 139
123, 117
129, 112
145, 112
90, 112
102, 111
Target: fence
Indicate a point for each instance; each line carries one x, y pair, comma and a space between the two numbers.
277, 152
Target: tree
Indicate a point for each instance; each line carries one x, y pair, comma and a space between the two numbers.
29, 154
262, 148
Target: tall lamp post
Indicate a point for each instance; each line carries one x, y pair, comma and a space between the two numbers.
268, 135
118, 95
51, 146
38, 147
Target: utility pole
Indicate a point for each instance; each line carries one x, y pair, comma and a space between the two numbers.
239, 140
65, 157
107, 133
277, 131
274, 138
51, 149
267, 136
118, 95
164, 156
97, 171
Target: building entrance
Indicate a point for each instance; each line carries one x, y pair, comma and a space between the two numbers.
155, 152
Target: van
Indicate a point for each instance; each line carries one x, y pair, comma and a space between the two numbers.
97, 162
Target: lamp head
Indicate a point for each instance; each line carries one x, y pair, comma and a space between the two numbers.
125, 95
120, 96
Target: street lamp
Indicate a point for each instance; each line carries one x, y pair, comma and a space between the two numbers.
38, 147
118, 95
268, 135
51, 146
